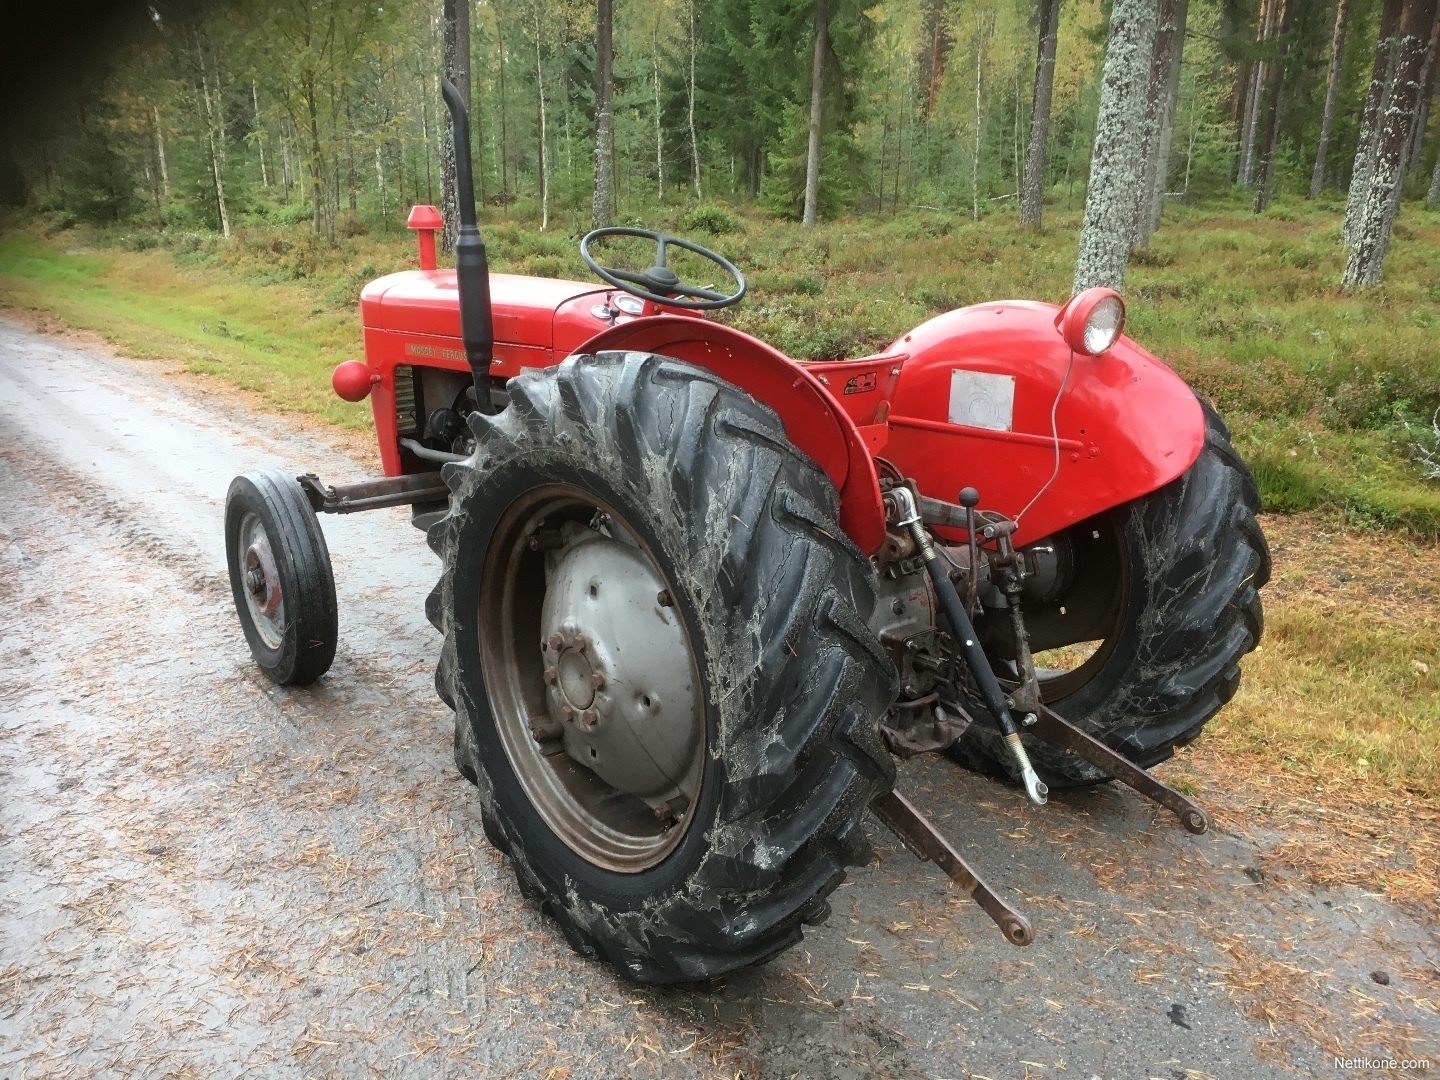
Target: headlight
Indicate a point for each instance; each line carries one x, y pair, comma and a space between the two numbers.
1091, 322
1103, 325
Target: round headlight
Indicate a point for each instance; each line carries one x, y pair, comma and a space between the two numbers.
1091, 322
1103, 325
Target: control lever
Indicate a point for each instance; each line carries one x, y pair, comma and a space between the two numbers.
969, 644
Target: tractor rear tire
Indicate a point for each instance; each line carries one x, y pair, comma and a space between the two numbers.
1193, 559
740, 528
281, 578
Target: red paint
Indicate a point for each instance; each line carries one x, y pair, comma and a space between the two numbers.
352, 380
425, 220
1126, 423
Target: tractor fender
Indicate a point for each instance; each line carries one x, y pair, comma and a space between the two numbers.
812, 419
972, 404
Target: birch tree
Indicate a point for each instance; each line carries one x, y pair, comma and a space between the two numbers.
1381, 199
1115, 168
1032, 198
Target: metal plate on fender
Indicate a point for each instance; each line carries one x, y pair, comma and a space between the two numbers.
982, 399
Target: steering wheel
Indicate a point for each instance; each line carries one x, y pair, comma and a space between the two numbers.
659, 284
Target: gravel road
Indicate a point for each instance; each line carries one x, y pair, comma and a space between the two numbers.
204, 875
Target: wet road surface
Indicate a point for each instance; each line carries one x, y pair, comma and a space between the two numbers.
204, 875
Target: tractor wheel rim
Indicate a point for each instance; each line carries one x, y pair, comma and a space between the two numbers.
264, 596
591, 677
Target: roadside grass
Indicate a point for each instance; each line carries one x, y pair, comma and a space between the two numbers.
279, 343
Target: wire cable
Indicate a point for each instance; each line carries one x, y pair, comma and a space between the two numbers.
1054, 438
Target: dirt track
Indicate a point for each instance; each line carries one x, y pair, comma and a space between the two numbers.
203, 875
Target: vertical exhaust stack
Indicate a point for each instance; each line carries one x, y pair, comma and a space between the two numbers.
472, 268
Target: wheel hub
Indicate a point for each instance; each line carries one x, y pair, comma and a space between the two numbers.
263, 593
618, 671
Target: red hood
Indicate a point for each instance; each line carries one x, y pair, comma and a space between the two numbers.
426, 302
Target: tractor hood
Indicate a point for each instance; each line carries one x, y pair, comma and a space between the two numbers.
426, 302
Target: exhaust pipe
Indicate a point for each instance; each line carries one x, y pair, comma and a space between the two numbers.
472, 268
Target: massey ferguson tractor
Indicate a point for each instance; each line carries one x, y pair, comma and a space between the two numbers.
697, 597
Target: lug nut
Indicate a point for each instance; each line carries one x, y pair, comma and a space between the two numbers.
589, 718
555, 641
664, 599
550, 675
597, 680
567, 711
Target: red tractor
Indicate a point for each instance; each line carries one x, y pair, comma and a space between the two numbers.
696, 596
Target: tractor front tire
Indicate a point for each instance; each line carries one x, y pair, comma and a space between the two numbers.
1192, 559
727, 539
281, 577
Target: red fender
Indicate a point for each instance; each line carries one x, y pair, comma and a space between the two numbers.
1127, 424
813, 420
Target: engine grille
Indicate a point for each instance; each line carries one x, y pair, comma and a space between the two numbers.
406, 422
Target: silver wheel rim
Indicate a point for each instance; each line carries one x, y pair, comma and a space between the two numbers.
591, 678
261, 581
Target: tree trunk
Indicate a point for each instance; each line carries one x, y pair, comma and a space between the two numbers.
1162, 94
159, 147
455, 45
1432, 197
939, 47
1115, 171
1273, 91
817, 112
1033, 196
352, 181
1427, 91
694, 142
152, 170
1381, 202
380, 186
604, 118
1381, 76
659, 132
259, 134
213, 108
1258, 79
540, 110
1332, 90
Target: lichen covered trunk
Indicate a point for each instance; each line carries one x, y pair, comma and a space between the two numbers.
1115, 171
1377, 209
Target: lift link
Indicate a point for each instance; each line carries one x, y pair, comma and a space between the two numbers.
927, 844
1060, 732
969, 645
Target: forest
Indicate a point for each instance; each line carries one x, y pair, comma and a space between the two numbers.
1259, 176
329, 110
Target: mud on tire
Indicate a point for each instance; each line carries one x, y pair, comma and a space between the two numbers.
1197, 560
775, 600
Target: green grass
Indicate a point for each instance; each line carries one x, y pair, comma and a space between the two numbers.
1327, 392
